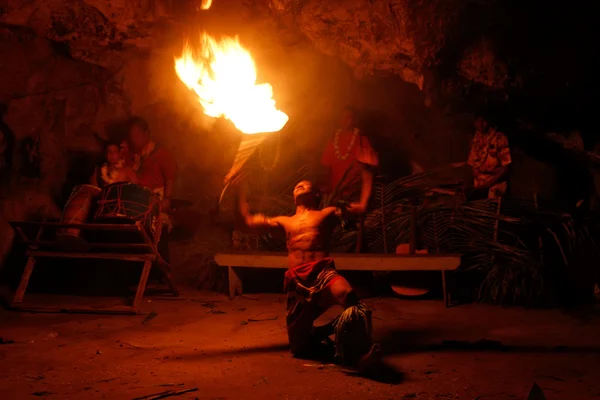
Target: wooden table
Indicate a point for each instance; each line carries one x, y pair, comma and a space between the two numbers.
343, 262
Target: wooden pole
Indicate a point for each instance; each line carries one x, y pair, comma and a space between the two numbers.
359, 237
540, 240
497, 220
413, 229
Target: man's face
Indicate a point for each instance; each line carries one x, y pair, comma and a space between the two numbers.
481, 124
305, 193
113, 154
347, 120
137, 138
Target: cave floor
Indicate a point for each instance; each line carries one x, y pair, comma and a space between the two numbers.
205, 341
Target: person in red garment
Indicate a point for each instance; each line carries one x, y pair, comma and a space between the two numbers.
156, 169
341, 152
340, 162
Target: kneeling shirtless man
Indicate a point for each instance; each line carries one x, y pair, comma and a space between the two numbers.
312, 283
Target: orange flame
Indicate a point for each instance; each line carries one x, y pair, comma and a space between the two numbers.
223, 75
206, 4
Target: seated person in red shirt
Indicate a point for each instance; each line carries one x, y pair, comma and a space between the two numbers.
490, 159
156, 169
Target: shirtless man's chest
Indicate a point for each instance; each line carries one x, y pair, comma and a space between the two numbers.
309, 236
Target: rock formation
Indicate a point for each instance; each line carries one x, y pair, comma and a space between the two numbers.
457, 50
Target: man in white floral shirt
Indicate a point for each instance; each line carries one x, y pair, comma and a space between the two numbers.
490, 158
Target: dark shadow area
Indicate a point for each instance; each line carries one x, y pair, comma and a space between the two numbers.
403, 342
118, 129
29, 151
84, 277
273, 348
573, 177
380, 372
585, 313
80, 169
7, 147
379, 127
261, 280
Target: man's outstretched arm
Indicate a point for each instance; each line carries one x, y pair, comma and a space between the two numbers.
256, 220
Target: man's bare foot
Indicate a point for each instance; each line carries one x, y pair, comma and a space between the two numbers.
370, 360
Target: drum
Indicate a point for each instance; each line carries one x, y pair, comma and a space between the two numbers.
76, 211
126, 202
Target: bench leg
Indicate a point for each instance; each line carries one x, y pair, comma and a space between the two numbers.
166, 275
235, 284
445, 290
359, 235
139, 294
18, 298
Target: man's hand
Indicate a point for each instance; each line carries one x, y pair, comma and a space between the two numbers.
366, 155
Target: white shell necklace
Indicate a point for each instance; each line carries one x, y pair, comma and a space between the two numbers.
336, 145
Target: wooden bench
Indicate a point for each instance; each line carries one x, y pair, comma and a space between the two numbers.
343, 262
144, 250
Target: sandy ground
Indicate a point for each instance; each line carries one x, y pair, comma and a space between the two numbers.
208, 342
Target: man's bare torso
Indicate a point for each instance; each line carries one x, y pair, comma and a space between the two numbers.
309, 235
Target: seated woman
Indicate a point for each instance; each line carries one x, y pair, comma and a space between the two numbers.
114, 169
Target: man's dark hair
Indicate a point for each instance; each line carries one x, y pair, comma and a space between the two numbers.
140, 123
111, 143
492, 113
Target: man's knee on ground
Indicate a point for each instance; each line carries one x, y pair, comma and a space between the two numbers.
343, 293
348, 297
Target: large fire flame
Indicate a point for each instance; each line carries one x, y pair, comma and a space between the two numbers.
223, 75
